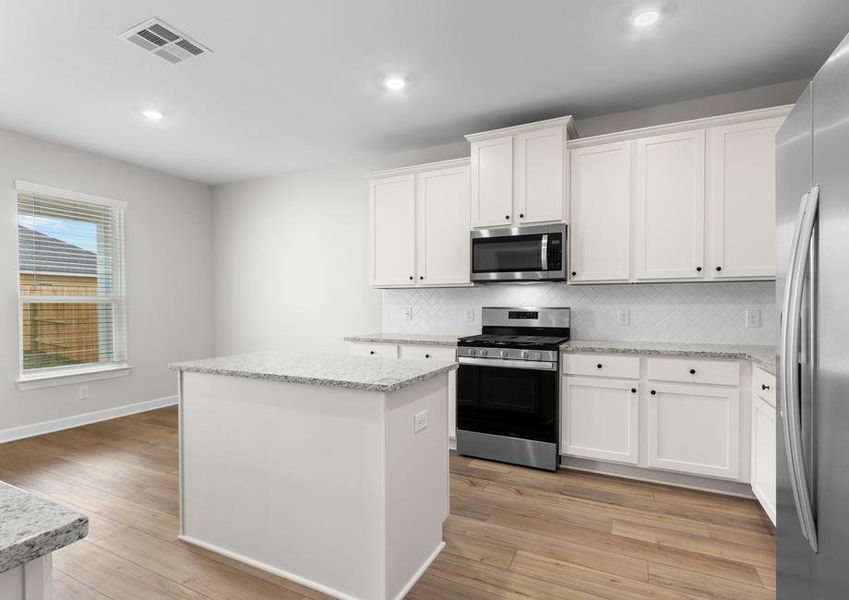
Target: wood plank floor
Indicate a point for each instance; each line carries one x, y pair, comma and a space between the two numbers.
513, 533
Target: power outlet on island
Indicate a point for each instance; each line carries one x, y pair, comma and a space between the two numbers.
420, 421
82, 392
753, 318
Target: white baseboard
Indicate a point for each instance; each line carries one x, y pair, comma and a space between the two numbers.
25, 431
267, 568
418, 574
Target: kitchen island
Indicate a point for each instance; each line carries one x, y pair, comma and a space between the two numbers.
331, 471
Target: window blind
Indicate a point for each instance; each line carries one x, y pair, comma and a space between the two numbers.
71, 280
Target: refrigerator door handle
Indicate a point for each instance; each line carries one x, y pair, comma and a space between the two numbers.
790, 340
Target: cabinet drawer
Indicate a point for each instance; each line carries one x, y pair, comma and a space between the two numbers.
366, 349
694, 371
602, 365
763, 385
422, 352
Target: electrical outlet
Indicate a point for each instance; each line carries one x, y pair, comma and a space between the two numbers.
82, 392
623, 317
753, 317
408, 313
470, 315
420, 421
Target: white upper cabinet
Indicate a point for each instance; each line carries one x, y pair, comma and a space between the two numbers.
742, 199
420, 223
443, 227
669, 206
539, 175
492, 182
600, 206
392, 209
518, 174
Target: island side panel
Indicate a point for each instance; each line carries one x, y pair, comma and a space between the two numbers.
287, 477
417, 481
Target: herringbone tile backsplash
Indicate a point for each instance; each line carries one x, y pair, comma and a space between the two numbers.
668, 312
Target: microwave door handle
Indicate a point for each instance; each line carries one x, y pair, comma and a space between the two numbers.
543, 251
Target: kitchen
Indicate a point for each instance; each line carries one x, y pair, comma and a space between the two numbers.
527, 341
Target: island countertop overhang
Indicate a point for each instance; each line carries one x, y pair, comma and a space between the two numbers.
366, 373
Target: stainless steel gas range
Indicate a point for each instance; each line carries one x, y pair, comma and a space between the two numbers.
508, 390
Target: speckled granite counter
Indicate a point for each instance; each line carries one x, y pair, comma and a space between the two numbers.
414, 339
762, 356
31, 527
353, 372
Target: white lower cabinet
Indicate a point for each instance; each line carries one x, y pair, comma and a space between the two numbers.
417, 352
694, 429
682, 415
763, 440
600, 418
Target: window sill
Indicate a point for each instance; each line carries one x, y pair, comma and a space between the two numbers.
70, 376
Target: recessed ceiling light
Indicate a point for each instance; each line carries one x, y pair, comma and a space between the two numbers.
151, 114
646, 18
395, 83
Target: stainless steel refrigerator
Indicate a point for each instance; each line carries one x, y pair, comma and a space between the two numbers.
812, 292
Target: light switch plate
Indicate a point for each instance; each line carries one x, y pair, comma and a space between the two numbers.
420, 421
470, 315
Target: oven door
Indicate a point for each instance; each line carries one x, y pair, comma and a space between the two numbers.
508, 401
519, 254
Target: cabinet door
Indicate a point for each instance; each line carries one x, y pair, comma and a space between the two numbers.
694, 429
600, 206
539, 176
669, 207
392, 214
443, 227
492, 182
373, 349
742, 199
763, 454
601, 419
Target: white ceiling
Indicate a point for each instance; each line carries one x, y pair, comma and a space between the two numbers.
294, 84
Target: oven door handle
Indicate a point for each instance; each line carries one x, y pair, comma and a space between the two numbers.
506, 363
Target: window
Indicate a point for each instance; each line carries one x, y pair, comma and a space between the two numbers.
71, 282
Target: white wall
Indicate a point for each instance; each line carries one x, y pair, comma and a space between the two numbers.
169, 275
291, 257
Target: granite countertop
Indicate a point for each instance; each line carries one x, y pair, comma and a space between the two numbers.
762, 356
31, 527
414, 339
369, 373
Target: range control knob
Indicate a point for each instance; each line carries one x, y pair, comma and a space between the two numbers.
484, 352
525, 354
503, 353
472, 351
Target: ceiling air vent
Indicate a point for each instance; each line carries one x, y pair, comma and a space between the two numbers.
159, 38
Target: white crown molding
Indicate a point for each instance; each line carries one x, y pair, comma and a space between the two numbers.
25, 431
702, 123
413, 169
567, 122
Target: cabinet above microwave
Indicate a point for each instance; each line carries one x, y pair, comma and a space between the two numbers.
517, 174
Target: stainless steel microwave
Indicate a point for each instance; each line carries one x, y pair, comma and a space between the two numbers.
533, 253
